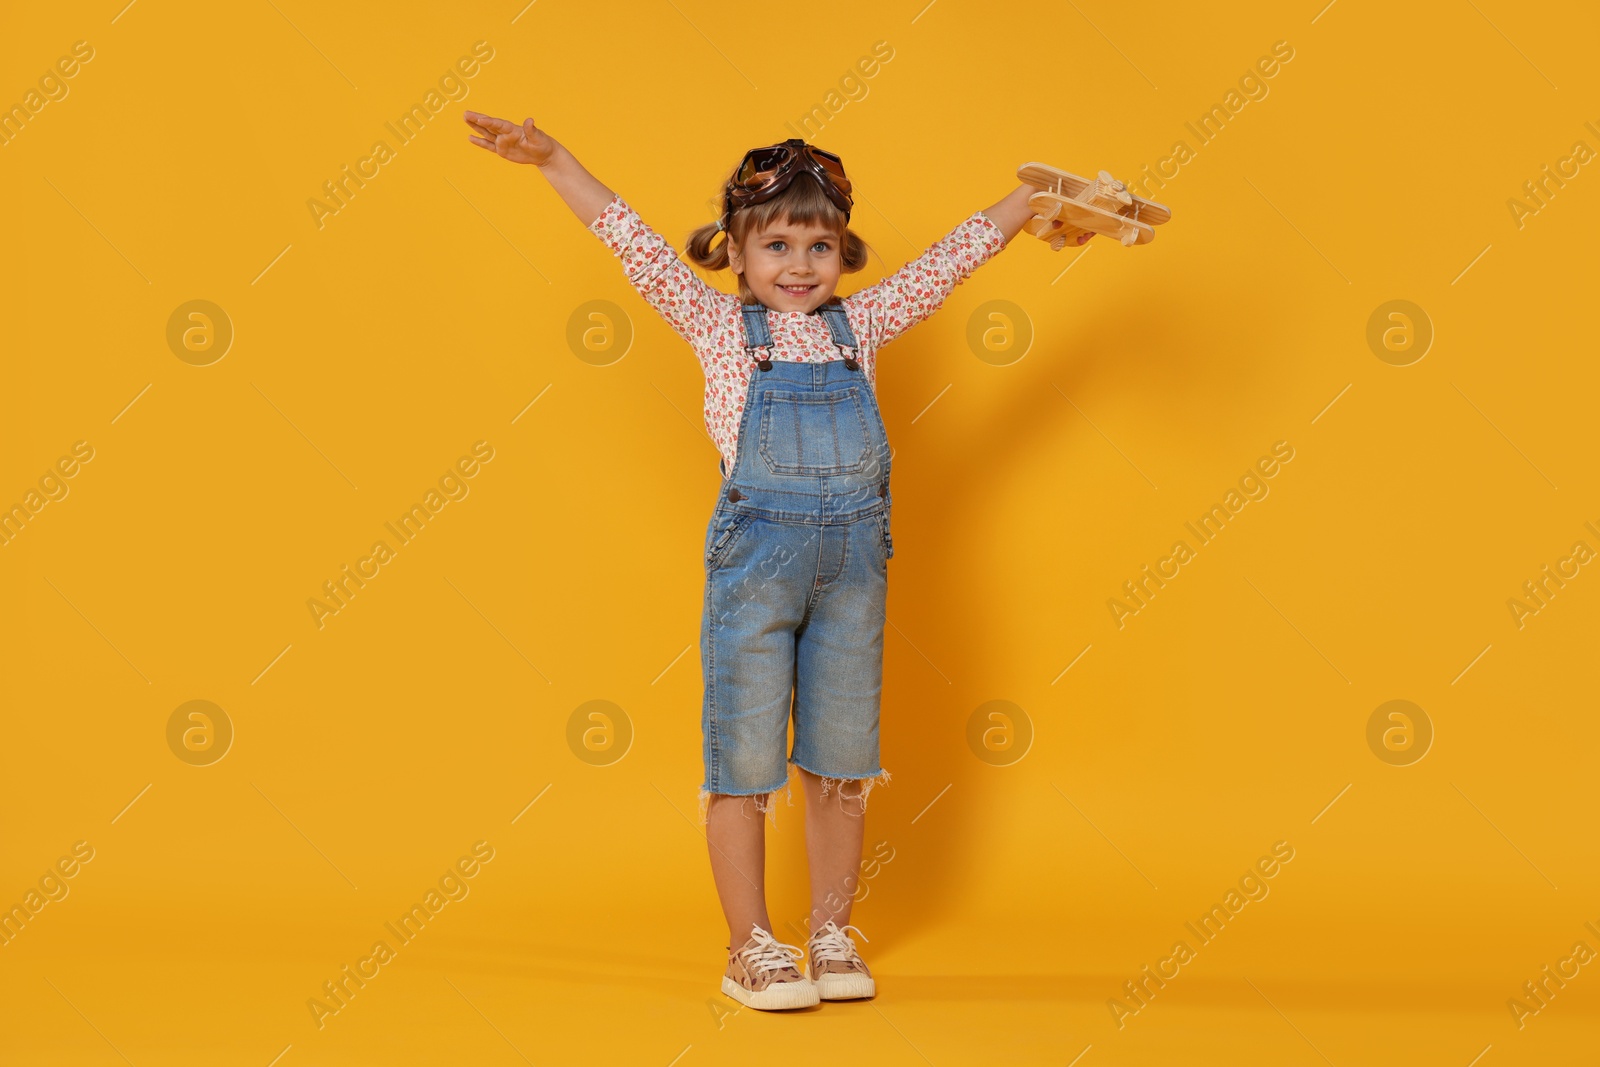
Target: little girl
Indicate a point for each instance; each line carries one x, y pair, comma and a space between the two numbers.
797, 549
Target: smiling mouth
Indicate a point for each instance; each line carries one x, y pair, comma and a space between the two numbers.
797, 290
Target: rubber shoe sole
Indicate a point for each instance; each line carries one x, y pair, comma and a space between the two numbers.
835, 986
776, 997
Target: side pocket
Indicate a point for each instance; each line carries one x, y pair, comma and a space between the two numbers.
723, 535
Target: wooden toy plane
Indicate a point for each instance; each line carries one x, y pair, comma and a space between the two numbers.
1067, 205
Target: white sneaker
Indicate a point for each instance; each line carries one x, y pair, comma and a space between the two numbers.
835, 966
762, 974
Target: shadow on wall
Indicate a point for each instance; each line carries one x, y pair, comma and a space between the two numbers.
926, 704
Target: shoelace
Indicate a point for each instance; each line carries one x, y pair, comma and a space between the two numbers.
768, 953
832, 943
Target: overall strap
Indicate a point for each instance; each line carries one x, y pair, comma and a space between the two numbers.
839, 326
756, 333
755, 326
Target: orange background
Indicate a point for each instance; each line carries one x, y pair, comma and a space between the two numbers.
1024, 883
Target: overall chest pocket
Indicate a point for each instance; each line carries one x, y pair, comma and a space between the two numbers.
814, 433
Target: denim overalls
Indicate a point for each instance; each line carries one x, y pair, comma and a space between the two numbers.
796, 557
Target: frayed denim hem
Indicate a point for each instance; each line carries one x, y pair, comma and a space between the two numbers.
765, 799
765, 802
867, 784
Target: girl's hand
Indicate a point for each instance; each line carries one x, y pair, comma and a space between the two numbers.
519, 144
1013, 212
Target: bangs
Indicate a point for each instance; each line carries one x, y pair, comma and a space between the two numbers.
802, 204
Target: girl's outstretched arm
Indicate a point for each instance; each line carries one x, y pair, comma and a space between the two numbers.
699, 312
582, 191
884, 311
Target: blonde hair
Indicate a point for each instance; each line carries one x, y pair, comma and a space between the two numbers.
803, 203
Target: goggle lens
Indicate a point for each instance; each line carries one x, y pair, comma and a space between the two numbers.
829, 160
762, 162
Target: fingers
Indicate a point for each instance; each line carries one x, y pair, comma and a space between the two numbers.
488, 123
485, 138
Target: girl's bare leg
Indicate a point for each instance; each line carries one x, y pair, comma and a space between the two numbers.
835, 829
736, 833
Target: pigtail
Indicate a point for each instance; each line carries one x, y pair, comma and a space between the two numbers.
707, 247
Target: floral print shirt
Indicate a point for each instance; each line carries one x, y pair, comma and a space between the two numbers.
711, 321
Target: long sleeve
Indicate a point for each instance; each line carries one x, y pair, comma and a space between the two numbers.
693, 308
884, 311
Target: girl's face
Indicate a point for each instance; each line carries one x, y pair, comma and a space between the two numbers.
789, 267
